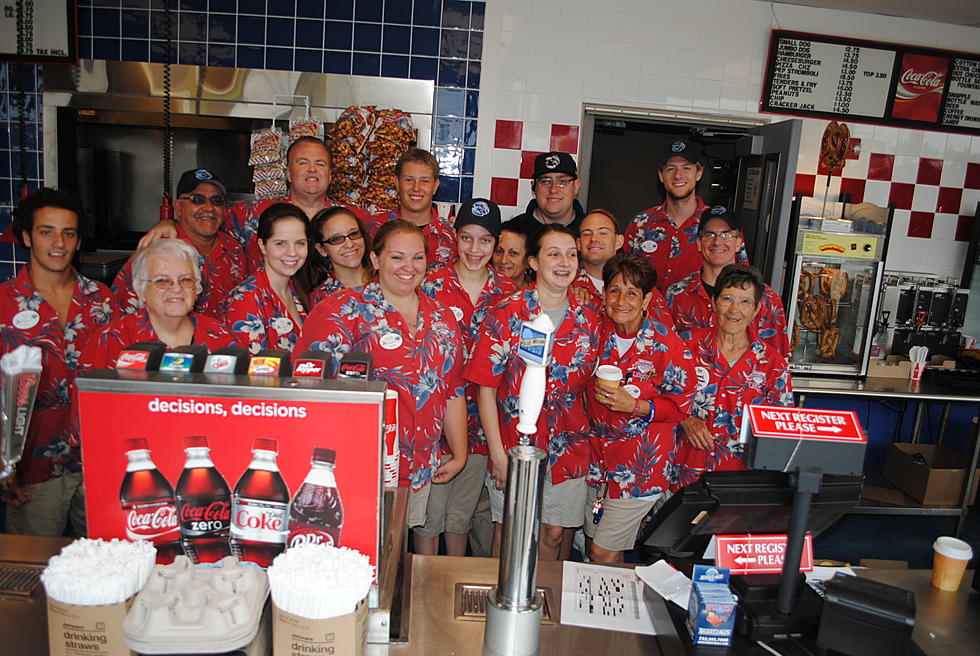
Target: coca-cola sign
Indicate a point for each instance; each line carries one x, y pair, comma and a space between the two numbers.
150, 522
924, 80
920, 87
214, 511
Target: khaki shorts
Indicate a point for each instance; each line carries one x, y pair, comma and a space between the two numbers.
621, 518
561, 505
53, 505
452, 504
418, 502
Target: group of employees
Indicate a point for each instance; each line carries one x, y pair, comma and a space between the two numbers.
439, 305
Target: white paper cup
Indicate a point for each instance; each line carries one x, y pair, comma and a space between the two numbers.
950, 557
609, 375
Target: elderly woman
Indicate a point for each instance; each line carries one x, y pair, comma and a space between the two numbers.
417, 349
341, 257
563, 425
633, 422
510, 254
733, 369
167, 280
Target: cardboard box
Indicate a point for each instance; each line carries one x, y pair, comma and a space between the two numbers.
939, 482
74, 630
711, 608
879, 369
346, 635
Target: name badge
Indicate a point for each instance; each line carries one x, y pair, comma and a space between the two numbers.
390, 341
26, 319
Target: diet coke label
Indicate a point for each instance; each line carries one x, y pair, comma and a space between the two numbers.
260, 521
202, 516
920, 87
151, 521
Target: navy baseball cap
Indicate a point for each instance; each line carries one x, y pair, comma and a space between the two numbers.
190, 179
554, 162
481, 212
686, 149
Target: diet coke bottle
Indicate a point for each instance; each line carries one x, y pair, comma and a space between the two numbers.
316, 514
203, 505
147, 500
260, 507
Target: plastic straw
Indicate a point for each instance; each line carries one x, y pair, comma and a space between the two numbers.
317, 581
97, 572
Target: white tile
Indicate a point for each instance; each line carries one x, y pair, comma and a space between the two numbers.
968, 203
657, 27
888, 138
543, 50
690, 9
625, 86
876, 191
733, 97
536, 136
821, 190
602, 25
524, 194
807, 160
974, 148
541, 78
933, 144
567, 110
680, 92
655, 58
909, 143
513, 75
600, 55
683, 62
511, 107
861, 131
856, 168
514, 47
539, 107
707, 94
597, 88
506, 163
629, 28
627, 56
710, 66
713, 34
516, 17
944, 226
506, 211
957, 147
574, 23
954, 173
738, 68
906, 168
925, 198
570, 53
684, 33
652, 89
741, 39
545, 20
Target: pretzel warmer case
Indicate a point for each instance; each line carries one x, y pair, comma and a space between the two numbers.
836, 276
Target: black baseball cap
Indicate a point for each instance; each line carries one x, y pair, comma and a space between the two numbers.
190, 179
686, 149
481, 212
720, 212
554, 162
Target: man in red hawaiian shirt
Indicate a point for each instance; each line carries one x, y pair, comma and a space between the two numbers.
598, 240
51, 306
199, 206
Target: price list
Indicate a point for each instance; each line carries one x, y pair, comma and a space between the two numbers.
847, 80
962, 108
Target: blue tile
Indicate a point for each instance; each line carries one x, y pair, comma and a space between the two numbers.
366, 64
136, 24
450, 159
476, 15
193, 5
84, 21
309, 34
452, 73
465, 188
425, 41
137, 50
106, 48
192, 54
251, 29
427, 12
367, 37
473, 75
105, 23
339, 36
193, 27
281, 8
137, 4
7, 270
250, 57
456, 14
224, 6
340, 9
279, 59
279, 31
256, 7
472, 104
5, 114
450, 102
469, 133
159, 53
158, 25
309, 60
448, 131
336, 62
394, 66
476, 45
398, 12
423, 68
397, 38
469, 159
368, 10
221, 56
448, 189
221, 28
454, 44
310, 9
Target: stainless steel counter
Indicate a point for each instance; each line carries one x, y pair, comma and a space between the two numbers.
881, 387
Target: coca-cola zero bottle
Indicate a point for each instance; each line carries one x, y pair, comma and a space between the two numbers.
203, 505
260, 507
147, 501
316, 514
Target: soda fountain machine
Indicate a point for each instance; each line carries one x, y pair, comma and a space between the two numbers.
919, 310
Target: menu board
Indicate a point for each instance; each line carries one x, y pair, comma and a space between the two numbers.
50, 32
893, 84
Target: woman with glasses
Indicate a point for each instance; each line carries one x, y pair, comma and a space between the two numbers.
470, 289
510, 254
734, 368
167, 279
417, 349
268, 309
341, 257
563, 426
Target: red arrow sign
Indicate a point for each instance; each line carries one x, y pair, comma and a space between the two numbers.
796, 423
758, 554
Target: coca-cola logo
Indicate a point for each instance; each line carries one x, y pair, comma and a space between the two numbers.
258, 520
312, 537
214, 511
924, 79
308, 368
132, 360
143, 521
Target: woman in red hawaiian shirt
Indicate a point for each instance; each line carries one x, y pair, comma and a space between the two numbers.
267, 310
510, 255
341, 257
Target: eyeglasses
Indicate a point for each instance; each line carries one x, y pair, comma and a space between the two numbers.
200, 199
561, 183
337, 240
163, 283
727, 235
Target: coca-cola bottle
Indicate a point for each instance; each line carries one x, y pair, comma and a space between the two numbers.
203, 505
260, 507
147, 501
316, 514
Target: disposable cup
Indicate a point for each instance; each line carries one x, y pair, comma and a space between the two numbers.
950, 557
918, 368
609, 375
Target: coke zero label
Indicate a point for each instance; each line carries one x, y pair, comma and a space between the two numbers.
151, 521
259, 521
200, 517
920, 87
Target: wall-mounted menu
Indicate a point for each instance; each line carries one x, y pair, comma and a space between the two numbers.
47, 31
893, 84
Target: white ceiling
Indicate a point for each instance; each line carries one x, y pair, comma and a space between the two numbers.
959, 12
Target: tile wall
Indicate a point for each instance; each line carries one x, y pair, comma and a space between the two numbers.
544, 58
439, 40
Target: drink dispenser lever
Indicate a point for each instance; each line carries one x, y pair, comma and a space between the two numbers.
514, 606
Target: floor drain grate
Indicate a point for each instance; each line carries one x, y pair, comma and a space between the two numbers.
470, 603
19, 581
